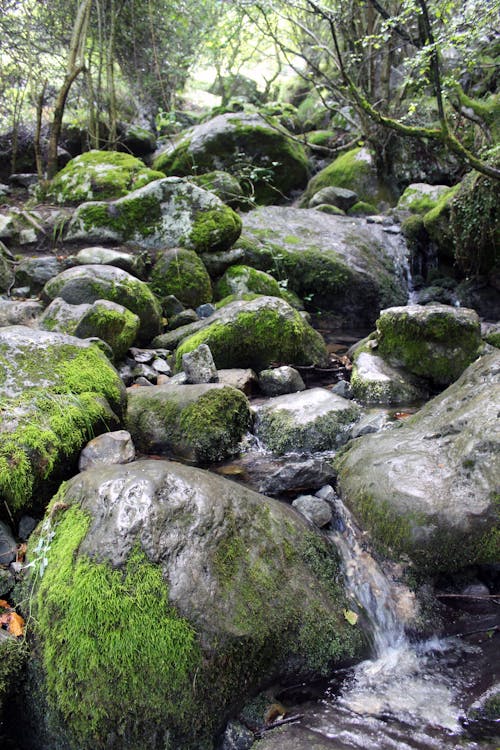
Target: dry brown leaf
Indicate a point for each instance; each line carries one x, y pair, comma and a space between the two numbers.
4, 604
13, 622
21, 552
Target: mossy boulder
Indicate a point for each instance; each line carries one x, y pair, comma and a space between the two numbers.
437, 225
244, 279
355, 170
56, 392
224, 185
374, 381
175, 593
166, 213
436, 342
340, 265
203, 423
259, 152
255, 334
420, 197
428, 488
86, 284
113, 323
13, 652
181, 272
106, 256
98, 175
307, 422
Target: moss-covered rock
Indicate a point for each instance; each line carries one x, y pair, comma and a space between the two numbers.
354, 170
13, 652
244, 279
420, 198
181, 272
56, 391
436, 342
437, 225
177, 594
258, 152
428, 489
166, 213
112, 323
307, 422
98, 175
374, 381
255, 334
224, 185
338, 265
203, 423
86, 284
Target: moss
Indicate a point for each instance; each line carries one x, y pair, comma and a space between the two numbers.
438, 347
135, 218
215, 424
13, 653
243, 279
118, 328
353, 170
362, 208
256, 340
178, 162
214, 229
437, 224
224, 185
49, 429
416, 201
182, 273
98, 175
110, 639
493, 339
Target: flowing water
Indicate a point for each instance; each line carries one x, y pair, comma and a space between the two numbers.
409, 696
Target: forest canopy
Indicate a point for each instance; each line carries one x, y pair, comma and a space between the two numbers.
420, 68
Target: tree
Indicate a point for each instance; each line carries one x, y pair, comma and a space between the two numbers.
349, 48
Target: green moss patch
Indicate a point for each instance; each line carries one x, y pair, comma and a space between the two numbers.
115, 652
98, 175
243, 279
211, 229
182, 273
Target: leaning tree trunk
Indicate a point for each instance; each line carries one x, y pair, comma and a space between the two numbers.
75, 66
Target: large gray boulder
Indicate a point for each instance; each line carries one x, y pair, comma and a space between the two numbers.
178, 595
56, 392
86, 284
341, 265
268, 163
374, 381
314, 420
429, 487
165, 213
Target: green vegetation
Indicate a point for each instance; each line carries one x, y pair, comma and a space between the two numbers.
109, 639
214, 229
243, 280
118, 327
182, 273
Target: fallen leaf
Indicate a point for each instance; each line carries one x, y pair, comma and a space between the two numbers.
402, 415
13, 622
21, 552
4, 604
350, 616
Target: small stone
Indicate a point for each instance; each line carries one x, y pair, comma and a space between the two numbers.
206, 310
7, 582
126, 373
316, 510
199, 366
144, 356
23, 180
171, 306
183, 318
237, 737
144, 371
343, 388
244, 379
280, 380
161, 366
163, 379
142, 381
110, 448
8, 545
370, 423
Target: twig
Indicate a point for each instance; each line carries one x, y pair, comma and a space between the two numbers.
278, 723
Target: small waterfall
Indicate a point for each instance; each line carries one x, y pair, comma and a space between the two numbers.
387, 604
404, 682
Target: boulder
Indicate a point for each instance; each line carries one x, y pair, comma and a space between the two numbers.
280, 380
166, 213
314, 420
420, 197
110, 448
258, 152
92, 256
254, 334
201, 422
374, 381
113, 323
62, 317
199, 366
277, 476
315, 509
224, 185
36, 271
86, 284
354, 170
177, 594
180, 272
334, 196
340, 265
435, 342
98, 175
241, 280
22, 312
428, 488
56, 392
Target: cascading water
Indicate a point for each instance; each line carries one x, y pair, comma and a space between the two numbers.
408, 695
